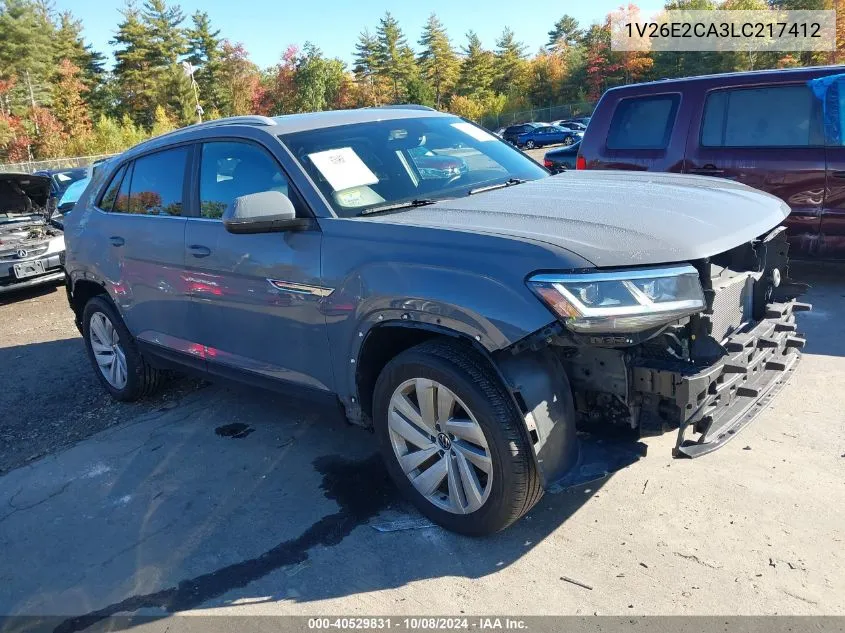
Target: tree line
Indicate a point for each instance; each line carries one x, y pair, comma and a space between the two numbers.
58, 98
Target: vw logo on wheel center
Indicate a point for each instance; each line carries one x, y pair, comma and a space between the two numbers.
444, 441
22, 253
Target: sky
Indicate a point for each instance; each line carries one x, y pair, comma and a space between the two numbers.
267, 27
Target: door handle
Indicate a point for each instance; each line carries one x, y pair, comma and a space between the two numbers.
116, 240
198, 250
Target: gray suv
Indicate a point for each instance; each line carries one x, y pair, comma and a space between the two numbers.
475, 317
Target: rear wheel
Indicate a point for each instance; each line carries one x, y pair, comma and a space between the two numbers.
125, 374
453, 440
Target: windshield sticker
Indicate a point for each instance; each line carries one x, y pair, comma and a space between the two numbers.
343, 168
475, 132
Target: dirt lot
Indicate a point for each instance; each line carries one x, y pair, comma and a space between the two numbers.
224, 499
50, 397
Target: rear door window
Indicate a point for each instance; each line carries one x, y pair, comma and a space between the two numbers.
158, 183
109, 197
121, 201
772, 116
643, 122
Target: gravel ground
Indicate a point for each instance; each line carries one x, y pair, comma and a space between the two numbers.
51, 397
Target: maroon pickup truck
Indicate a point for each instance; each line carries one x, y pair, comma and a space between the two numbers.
775, 130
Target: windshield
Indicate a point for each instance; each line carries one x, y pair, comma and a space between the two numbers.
380, 163
65, 179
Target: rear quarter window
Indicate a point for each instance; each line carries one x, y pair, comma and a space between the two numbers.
643, 122
771, 116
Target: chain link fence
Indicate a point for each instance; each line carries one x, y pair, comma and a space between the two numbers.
29, 167
551, 113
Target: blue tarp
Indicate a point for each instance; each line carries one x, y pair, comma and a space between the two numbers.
830, 106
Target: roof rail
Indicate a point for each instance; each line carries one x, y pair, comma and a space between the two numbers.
404, 106
247, 119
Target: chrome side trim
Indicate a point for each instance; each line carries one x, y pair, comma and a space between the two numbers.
300, 289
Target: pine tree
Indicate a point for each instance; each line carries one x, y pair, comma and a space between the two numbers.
134, 84
438, 63
167, 39
167, 44
566, 33
366, 68
477, 71
510, 67
395, 58
26, 52
205, 51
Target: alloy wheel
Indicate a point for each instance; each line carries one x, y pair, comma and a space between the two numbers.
530, 145
440, 446
110, 357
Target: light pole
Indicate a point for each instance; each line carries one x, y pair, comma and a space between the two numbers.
189, 70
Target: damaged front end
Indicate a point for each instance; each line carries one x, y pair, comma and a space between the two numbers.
741, 349
32, 248
706, 374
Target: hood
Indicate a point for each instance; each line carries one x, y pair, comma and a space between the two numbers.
613, 218
24, 193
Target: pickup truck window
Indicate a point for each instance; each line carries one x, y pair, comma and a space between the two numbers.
380, 163
775, 116
643, 122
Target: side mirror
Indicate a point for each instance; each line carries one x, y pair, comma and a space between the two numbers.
264, 212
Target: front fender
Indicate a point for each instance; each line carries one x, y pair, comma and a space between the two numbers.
466, 304
467, 283
540, 381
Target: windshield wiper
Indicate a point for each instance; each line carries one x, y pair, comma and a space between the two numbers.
408, 204
508, 183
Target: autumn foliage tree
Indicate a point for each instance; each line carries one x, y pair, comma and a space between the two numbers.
69, 105
58, 96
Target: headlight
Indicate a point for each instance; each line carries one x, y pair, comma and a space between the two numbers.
623, 301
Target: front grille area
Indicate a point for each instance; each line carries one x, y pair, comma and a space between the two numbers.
732, 302
31, 251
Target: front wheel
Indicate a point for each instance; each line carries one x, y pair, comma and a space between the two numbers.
529, 144
568, 140
453, 440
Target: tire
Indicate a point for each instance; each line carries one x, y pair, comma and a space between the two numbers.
529, 144
513, 485
141, 379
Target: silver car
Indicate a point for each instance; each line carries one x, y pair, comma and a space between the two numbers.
32, 243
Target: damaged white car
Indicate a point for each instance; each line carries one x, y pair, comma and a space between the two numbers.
32, 243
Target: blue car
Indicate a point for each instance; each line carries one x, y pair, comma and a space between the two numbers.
74, 191
547, 135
